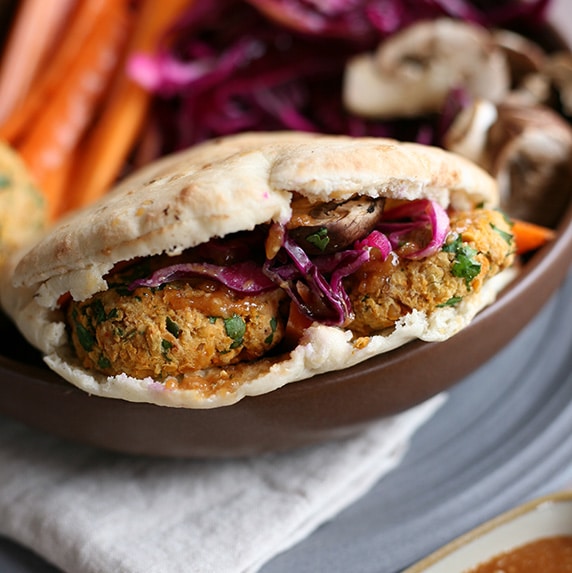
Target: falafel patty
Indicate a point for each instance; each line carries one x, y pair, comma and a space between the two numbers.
179, 328
479, 245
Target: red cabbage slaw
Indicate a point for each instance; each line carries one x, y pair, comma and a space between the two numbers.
245, 277
252, 65
315, 284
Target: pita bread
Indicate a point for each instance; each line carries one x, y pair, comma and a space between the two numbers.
220, 187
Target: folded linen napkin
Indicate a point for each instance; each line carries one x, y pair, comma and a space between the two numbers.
89, 511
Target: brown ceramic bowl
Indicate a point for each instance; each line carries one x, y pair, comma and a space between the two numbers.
325, 407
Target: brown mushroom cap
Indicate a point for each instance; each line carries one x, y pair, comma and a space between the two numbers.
530, 154
412, 72
327, 227
524, 57
558, 71
527, 148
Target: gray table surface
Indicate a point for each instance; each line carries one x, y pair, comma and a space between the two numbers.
503, 436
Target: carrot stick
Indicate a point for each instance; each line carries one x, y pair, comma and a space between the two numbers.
60, 126
36, 26
81, 22
111, 140
529, 236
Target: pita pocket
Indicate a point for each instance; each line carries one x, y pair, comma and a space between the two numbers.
254, 261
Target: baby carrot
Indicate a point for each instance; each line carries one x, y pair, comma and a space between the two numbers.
108, 144
66, 117
529, 236
82, 19
31, 39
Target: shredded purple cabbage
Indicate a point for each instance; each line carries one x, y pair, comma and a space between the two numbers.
400, 222
246, 277
376, 239
238, 65
306, 281
315, 284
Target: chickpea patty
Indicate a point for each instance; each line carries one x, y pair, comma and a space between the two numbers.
479, 245
182, 327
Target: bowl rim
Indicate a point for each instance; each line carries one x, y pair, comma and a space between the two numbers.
539, 503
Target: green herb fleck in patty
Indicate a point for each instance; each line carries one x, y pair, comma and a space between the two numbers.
465, 265
235, 327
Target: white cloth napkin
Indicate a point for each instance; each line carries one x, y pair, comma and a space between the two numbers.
88, 511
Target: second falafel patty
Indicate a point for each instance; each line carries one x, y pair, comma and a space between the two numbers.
479, 246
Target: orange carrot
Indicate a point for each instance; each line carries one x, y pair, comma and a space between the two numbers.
529, 236
81, 22
34, 31
111, 140
67, 115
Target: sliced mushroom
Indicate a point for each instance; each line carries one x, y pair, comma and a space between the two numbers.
558, 71
327, 227
469, 132
527, 148
530, 153
412, 72
524, 57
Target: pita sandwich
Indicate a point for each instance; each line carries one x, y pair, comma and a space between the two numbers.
257, 260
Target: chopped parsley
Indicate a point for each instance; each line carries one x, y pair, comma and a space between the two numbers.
235, 328
508, 237
465, 265
104, 363
85, 337
273, 325
99, 314
166, 345
173, 327
451, 302
319, 239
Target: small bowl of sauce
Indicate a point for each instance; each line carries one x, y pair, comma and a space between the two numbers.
546, 555
535, 537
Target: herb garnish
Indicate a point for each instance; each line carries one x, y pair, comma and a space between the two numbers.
166, 345
319, 239
85, 337
451, 302
173, 327
508, 237
273, 325
465, 265
99, 314
235, 328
